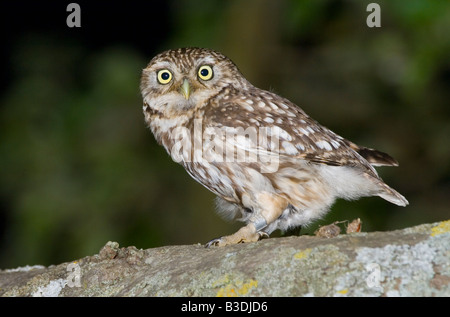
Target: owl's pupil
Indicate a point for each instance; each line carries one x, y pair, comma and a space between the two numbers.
165, 76
204, 72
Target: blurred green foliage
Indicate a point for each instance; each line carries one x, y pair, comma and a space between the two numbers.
80, 168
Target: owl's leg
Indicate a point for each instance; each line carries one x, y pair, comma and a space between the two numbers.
246, 234
254, 231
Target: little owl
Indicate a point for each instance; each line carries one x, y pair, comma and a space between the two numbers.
270, 164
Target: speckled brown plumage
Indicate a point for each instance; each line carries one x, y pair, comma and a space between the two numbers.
269, 163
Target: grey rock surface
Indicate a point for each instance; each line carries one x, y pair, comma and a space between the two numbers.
409, 262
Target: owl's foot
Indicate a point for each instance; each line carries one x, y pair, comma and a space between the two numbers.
243, 235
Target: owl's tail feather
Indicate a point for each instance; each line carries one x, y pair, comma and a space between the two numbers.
374, 157
392, 196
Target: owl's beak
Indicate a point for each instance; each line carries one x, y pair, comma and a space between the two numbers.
185, 89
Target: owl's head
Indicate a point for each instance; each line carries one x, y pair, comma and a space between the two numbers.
180, 79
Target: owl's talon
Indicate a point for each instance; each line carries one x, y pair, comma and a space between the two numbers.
244, 235
263, 235
213, 242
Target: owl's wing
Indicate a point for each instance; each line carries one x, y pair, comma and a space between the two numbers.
267, 124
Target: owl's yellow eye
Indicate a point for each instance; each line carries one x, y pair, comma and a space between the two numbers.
205, 72
164, 76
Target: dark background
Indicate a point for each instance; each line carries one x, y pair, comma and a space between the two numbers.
79, 167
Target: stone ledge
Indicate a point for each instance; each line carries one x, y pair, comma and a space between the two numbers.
409, 262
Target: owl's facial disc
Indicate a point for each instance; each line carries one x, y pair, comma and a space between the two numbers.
185, 89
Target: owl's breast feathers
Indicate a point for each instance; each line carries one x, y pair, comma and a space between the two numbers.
265, 128
287, 130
